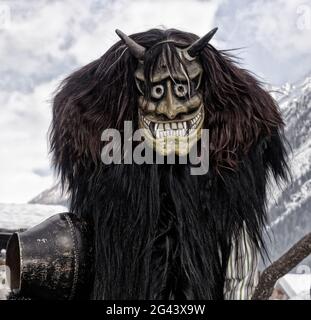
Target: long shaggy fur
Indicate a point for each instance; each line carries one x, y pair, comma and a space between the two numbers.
159, 232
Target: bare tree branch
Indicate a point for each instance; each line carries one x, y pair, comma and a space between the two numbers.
282, 266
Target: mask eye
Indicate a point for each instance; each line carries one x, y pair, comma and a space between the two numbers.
181, 90
157, 91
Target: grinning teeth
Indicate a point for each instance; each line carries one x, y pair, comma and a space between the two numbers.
195, 121
180, 129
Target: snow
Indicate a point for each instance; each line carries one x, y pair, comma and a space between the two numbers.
22, 216
305, 295
296, 286
288, 206
3, 285
52, 196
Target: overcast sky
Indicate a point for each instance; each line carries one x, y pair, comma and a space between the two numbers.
42, 41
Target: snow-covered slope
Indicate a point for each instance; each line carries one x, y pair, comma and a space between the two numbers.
51, 196
20, 216
290, 207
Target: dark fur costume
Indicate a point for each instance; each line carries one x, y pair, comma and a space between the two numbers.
158, 231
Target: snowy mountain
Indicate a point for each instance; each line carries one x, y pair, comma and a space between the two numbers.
51, 196
289, 208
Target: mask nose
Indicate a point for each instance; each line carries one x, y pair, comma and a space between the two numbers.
169, 106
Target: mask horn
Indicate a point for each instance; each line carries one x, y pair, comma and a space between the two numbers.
136, 49
196, 48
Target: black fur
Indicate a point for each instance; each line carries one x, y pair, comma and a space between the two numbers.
159, 231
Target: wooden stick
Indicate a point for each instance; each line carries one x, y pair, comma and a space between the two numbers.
282, 266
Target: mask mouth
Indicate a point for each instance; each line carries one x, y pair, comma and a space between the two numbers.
178, 128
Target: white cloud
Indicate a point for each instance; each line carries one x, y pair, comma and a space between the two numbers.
276, 35
24, 121
138, 15
274, 24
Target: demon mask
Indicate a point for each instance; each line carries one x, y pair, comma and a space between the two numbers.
170, 104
